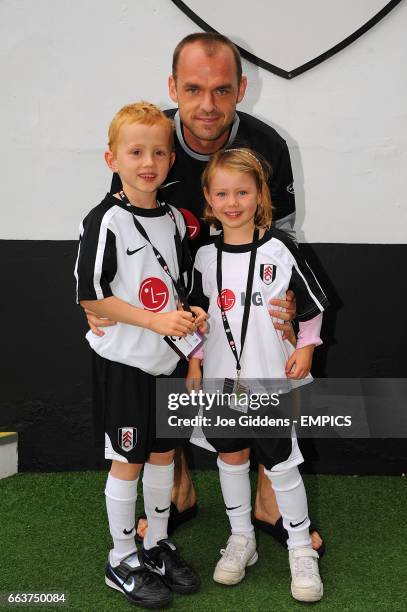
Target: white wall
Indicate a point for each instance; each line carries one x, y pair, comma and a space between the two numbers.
67, 66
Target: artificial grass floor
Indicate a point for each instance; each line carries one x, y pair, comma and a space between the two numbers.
54, 537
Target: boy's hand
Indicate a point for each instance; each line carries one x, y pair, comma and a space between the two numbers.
96, 322
299, 364
200, 320
193, 379
285, 316
175, 323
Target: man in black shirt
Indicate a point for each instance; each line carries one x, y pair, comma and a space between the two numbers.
207, 84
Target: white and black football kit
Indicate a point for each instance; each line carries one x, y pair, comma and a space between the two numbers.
279, 266
182, 188
115, 259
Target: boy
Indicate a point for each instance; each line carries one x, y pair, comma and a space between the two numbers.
132, 254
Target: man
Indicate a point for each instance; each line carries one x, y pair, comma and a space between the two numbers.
207, 84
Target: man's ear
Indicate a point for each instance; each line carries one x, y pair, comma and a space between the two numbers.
172, 89
242, 89
172, 159
111, 160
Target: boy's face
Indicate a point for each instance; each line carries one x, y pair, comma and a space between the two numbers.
142, 158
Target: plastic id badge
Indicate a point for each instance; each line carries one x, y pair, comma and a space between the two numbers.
240, 395
185, 346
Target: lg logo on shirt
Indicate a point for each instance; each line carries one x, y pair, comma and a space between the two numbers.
153, 294
192, 224
229, 299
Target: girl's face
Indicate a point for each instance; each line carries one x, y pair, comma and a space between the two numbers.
234, 198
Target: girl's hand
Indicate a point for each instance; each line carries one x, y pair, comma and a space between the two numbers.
193, 379
299, 364
200, 320
175, 323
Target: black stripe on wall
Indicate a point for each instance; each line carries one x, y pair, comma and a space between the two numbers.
45, 365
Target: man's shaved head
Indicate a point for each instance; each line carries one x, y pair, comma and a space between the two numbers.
210, 41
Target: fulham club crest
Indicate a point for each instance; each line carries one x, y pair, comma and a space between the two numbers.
267, 273
127, 438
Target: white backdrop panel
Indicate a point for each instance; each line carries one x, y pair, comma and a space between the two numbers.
69, 66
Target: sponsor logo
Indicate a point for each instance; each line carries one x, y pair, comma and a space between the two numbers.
153, 294
257, 300
154, 567
290, 188
233, 507
127, 532
192, 223
160, 511
129, 584
268, 273
297, 524
127, 438
135, 250
228, 299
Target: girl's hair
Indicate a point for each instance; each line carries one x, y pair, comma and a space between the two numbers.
246, 161
138, 112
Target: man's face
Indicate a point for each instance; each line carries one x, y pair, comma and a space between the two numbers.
207, 91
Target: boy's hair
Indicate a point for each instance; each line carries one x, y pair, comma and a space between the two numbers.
138, 112
246, 161
210, 42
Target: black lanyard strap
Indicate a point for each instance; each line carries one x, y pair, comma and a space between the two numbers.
178, 283
247, 302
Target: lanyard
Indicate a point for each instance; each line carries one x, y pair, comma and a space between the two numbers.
178, 284
247, 302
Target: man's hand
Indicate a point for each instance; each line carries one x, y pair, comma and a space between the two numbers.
175, 323
285, 316
193, 379
299, 364
96, 322
200, 319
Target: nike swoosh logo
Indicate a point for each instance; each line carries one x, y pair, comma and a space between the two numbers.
127, 586
155, 568
233, 507
168, 184
127, 532
297, 524
135, 251
159, 510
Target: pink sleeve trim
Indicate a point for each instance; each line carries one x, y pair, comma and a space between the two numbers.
198, 354
310, 332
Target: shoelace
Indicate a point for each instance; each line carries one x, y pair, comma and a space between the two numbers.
233, 549
304, 567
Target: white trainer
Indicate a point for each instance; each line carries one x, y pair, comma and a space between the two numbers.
306, 583
240, 552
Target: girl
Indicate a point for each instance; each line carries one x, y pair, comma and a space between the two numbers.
248, 264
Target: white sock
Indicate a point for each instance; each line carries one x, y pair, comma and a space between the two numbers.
158, 481
292, 502
121, 498
235, 485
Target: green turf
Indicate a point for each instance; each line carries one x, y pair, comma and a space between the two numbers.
54, 536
